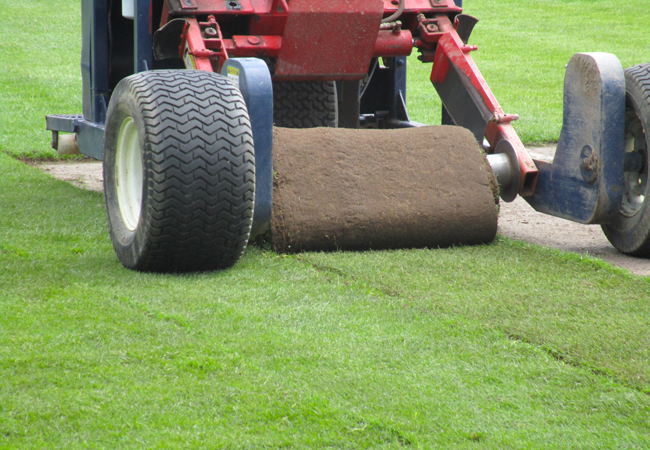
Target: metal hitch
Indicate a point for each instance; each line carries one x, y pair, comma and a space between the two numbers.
505, 165
585, 181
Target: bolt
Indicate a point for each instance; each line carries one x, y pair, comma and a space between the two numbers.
211, 31
432, 27
590, 162
253, 40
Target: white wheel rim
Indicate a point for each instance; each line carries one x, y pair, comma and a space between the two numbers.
128, 173
635, 184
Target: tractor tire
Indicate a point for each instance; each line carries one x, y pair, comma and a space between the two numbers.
305, 104
630, 232
179, 171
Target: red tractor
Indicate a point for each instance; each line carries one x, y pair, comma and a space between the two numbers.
180, 98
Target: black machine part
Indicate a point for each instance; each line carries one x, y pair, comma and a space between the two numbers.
630, 231
179, 171
305, 104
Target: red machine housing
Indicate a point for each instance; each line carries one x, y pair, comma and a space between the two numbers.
308, 40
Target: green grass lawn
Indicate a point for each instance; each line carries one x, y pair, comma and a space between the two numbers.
500, 346
492, 347
40, 52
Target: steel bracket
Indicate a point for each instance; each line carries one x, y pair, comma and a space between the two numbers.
254, 80
585, 181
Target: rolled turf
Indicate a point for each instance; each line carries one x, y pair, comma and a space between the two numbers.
345, 189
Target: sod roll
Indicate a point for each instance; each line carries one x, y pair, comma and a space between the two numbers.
344, 189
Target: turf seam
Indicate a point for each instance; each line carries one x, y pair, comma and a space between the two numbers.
152, 313
338, 272
326, 269
555, 354
571, 361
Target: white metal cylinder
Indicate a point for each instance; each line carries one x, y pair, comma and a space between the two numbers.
67, 145
128, 8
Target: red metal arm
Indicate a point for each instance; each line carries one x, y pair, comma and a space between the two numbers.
454, 67
193, 49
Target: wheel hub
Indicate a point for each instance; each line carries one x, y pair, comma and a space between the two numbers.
635, 184
128, 173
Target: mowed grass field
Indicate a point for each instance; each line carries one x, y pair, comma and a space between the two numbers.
501, 346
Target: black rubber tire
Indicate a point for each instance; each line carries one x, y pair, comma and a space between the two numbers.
305, 104
630, 232
198, 169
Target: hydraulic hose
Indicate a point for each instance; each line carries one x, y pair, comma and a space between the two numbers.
397, 14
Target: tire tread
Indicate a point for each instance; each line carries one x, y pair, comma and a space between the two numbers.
635, 240
304, 104
199, 170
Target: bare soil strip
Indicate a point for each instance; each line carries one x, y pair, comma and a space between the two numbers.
82, 174
517, 220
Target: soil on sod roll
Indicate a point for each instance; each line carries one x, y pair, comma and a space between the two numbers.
344, 189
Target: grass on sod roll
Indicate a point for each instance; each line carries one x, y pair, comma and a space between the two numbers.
500, 346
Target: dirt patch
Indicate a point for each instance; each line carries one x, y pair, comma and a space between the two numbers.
517, 220
374, 189
85, 174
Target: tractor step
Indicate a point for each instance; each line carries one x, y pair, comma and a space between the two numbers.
89, 135
67, 123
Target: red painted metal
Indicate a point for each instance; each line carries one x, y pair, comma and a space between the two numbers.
393, 43
450, 49
390, 6
333, 38
345, 32
273, 22
214, 7
254, 46
188, 5
270, 7
193, 49
164, 18
388, 44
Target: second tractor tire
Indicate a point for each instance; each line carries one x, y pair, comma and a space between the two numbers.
305, 104
630, 232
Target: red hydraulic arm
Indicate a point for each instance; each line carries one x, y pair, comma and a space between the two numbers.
456, 77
